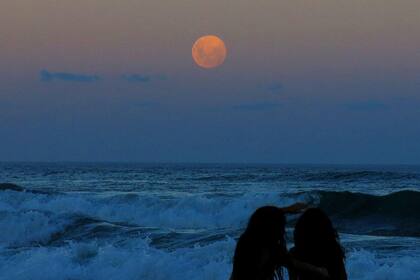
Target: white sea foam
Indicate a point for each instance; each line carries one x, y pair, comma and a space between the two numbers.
30, 218
365, 265
22, 228
138, 260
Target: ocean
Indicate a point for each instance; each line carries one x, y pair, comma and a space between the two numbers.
180, 221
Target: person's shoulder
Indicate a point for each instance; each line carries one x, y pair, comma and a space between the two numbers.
292, 251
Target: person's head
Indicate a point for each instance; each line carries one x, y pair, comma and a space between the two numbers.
267, 225
260, 246
316, 237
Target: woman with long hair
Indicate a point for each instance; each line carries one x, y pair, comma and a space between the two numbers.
262, 247
317, 243
261, 251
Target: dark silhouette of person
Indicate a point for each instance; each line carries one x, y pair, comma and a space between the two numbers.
261, 251
317, 243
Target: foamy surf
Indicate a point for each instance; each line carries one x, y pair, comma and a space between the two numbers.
182, 223
137, 259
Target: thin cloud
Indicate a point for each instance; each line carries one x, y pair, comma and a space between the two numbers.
275, 88
263, 106
147, 104
47, 76
142, 78
368, 105
136, 78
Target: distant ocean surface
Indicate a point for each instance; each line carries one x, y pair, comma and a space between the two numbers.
180, 221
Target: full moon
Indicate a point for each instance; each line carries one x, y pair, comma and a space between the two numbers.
209, 51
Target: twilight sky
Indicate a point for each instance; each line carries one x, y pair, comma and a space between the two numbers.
305, 81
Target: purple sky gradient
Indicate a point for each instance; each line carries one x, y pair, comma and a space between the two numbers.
304, 81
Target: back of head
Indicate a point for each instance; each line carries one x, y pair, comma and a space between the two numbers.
266, 225
316, 238
259, 246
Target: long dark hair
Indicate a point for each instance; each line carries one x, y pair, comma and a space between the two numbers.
262, 246
317, 241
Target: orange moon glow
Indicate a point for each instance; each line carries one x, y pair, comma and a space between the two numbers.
209, 51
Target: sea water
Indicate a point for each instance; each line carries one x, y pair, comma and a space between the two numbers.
181, 221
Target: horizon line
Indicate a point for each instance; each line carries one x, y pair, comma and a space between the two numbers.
202, 163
